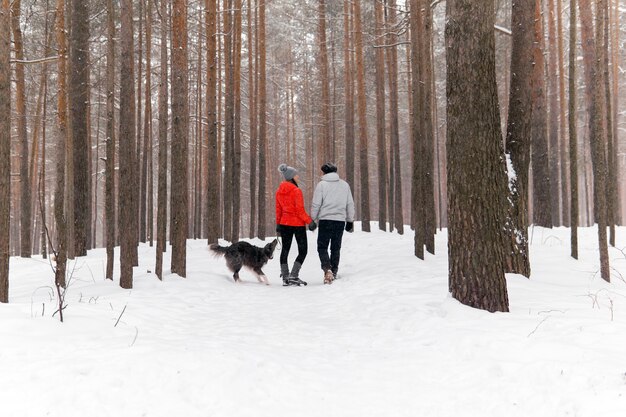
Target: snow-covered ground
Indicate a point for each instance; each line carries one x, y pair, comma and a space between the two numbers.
384, 340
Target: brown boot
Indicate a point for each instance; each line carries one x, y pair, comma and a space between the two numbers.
328, 277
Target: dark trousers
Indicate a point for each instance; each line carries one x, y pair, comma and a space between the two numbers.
330, 233
287, 233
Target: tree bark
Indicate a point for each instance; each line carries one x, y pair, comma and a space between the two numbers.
163, 129
180, 130
362, 114
476, 211
348, 95
61, 150
79, 103
326, 144
553, 118
213, 156
542, 205
573, 133
262, 100
5, 147
381, 138
518, 135
109, 201
22, 133
593, 57
252, 85
127, 149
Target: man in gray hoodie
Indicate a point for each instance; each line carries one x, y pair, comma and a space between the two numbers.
333, 209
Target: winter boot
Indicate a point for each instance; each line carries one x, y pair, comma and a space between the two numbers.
294, 278
328, 277
284, 273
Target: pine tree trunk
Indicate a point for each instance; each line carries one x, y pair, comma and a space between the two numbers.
109, 200
476, 211
518, 136
147, 131
326, 144
163, 129
430, 227
381, 138
213, 156
20, 107
362, 114
593, 57
252, 74
542, 203
180, 130
148, 128
79, 93
236, 152
613, 192
573, 133
564, 143
127, 214
60, 212
262, 100
553, 118
5, 147
394, 132
138, 167
349, 95
417, 139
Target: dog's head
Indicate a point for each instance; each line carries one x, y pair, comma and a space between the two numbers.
269, 249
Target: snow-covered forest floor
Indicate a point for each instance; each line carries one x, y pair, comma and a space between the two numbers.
384, 340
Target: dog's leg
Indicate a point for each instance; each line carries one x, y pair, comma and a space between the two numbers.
236, 276
261, 276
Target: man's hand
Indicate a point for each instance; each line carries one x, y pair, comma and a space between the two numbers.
312, 226
349, 227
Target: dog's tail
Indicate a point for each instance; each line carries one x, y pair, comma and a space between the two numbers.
217, 249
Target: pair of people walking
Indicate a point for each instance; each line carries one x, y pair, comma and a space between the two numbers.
332, 208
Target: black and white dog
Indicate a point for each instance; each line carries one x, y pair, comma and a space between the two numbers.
242, 254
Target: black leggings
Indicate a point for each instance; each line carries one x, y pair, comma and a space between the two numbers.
287, 233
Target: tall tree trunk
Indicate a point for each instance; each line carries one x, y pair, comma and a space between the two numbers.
138, 167
213, 156
109, 200
593, 57
180, 130
612, 191
348, 95
326, 149
477, 207
362, 112
542, 203
394, 128
518, 136
417, 139
148, 129
229, 120
429, 224
127, 214
565, 181
5, 147
252, 85
22, 133
573, 133
381, 138
262, 100
79, 93
236, 154
61, 150
553, 118
163, 129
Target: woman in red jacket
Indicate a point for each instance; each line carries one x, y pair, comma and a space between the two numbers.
291, 220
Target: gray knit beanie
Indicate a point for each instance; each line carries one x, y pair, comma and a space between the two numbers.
287, 171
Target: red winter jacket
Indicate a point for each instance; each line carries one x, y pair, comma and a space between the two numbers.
290, 206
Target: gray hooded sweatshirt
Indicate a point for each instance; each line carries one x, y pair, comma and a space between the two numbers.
332, 200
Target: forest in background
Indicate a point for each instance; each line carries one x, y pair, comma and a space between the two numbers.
152, 120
